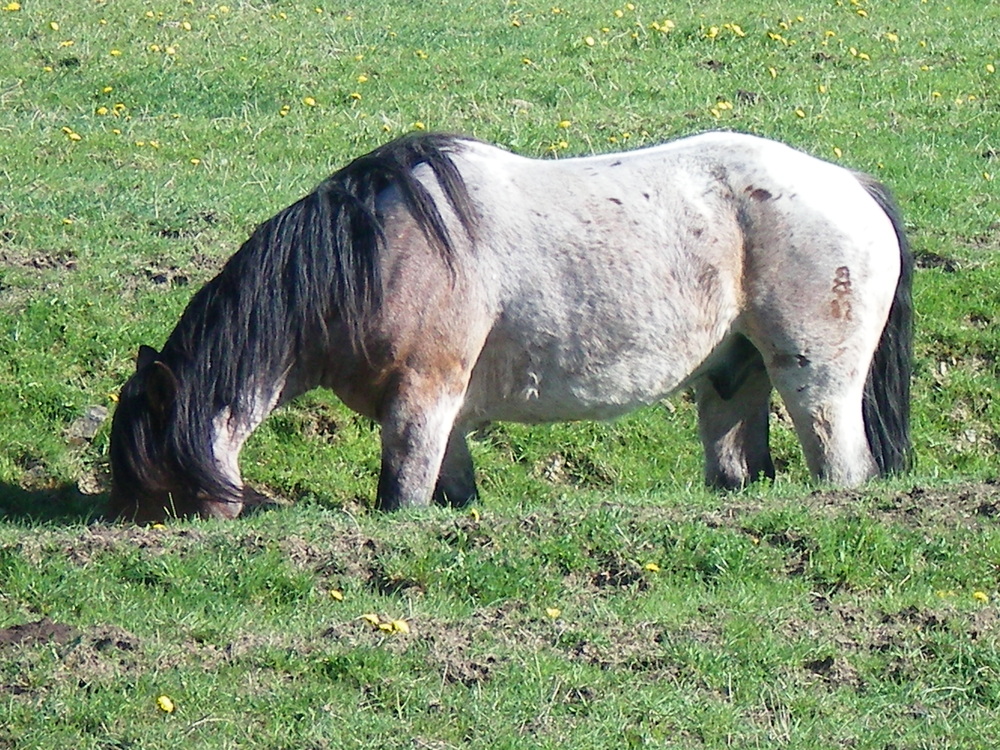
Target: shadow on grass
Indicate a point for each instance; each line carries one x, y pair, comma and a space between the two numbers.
64, 505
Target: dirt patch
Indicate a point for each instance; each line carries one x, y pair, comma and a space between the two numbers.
43, 632
37, 261
99, 654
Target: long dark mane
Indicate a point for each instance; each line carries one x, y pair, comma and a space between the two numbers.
314, 262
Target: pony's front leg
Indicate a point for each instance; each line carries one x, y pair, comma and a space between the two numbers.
734, 431
415, 434
456, 484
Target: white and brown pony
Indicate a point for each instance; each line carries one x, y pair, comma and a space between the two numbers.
439, 283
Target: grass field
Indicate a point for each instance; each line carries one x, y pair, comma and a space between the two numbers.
598, 597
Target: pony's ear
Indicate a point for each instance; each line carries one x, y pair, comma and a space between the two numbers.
147, 355
161, 388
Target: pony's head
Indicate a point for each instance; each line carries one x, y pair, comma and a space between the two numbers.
156, 471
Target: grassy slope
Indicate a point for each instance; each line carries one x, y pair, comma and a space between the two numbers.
137, 154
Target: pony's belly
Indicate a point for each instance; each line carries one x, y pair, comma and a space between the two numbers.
534, 394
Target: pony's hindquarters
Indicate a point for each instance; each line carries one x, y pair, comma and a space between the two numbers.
828, 289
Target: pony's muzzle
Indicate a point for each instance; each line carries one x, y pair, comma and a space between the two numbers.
224, 509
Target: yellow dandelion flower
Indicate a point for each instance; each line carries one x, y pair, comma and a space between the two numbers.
891, 37
223, 9
474, 514
564, 124
53, 25
553, 612
170, 50
418, 125
12, 7
400, 626
515, 22
67, 221
102, 111
195, 161
619, 13
799, 112
773, 72
356, 96
526, 61
165, 704
115, 53
589, 41
990, 68
862, 12
421, 54
337, 595
362, 79
837, 152
713, 31
372, 620
75, 137
186, 26
385, 627
652, 567
980, 596
67, 43
309, 101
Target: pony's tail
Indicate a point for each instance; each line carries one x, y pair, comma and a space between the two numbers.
886, 402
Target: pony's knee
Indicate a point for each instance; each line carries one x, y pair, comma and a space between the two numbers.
415, 435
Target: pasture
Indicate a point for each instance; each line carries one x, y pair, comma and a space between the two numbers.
597, 596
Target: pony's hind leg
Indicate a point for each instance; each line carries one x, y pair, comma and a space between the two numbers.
416, 427
829, 422
733, 407
456, 484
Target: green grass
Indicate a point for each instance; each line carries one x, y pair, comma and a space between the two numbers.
136, 154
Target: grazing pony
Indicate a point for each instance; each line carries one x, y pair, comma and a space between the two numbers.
439, 283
